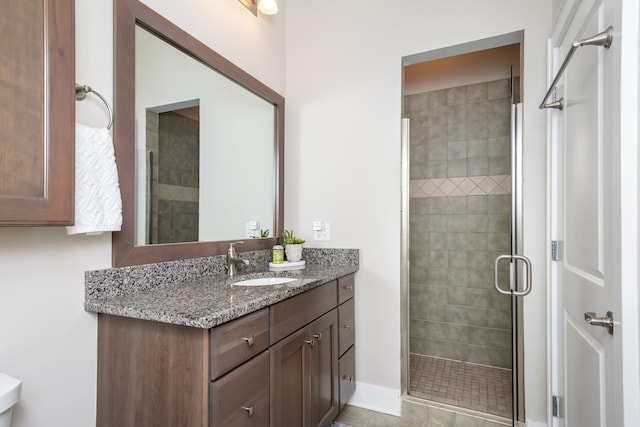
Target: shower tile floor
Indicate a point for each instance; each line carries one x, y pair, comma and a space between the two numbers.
466, 385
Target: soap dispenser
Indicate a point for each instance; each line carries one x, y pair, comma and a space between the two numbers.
277, 253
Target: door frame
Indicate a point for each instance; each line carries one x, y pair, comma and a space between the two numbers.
516, 37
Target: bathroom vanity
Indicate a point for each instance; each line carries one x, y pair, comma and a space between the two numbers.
205, 352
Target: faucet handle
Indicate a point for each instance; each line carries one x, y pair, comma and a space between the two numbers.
232, 250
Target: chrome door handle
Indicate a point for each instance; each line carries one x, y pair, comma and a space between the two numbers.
527, 279
605, 322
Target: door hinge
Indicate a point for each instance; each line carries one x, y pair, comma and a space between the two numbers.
555, 250
555, 406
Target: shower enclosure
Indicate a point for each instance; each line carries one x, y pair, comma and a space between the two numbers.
461, 205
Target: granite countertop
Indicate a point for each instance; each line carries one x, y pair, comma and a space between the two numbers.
200, 300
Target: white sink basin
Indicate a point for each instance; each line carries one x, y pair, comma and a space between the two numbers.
265, 281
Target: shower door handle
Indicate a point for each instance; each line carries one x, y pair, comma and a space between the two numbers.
527, 277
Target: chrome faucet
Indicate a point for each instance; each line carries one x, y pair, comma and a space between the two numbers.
233, 260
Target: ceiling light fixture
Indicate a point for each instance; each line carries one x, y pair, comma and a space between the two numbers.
266, 7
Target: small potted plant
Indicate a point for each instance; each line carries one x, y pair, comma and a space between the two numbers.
292, 246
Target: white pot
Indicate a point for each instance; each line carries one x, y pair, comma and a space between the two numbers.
294, 252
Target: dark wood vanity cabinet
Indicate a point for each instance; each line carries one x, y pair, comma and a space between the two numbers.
37, 108
151, 374
281, 366
304, 365
304, 375
346, 338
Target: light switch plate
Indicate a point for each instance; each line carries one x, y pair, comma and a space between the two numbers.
252, 229
324, 234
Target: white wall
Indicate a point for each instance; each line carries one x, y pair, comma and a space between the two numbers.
46, 338
344, 91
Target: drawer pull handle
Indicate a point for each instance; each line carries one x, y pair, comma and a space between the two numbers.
348, 378
250, 410
310, 342
318, 336
249, 340
348, 287
347, 326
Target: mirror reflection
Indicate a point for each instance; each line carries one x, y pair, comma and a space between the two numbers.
204, 150
173, 167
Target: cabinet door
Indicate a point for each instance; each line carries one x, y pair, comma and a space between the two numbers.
346, 286
346, 322
241, 398
235, 342
324, 333
347, 367
291, 380
37, 112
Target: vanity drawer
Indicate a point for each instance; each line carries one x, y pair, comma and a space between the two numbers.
241, 398
347, 372
346, 326
234, 342
293, 313
345, 288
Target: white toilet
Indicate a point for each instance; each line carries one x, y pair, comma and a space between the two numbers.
9, 395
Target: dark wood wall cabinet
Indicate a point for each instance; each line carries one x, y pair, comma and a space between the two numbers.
288, 365
37, 113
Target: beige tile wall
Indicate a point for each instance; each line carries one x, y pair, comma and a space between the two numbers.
459, 213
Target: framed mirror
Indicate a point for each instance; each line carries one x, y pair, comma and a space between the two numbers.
199, 145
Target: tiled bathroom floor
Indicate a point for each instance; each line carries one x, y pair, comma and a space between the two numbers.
476, 387
414, 414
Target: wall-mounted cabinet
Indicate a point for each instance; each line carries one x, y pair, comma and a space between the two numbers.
37, 97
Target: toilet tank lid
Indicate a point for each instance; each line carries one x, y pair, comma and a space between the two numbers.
9, 391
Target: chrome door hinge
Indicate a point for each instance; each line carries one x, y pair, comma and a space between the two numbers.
555, 406
555, 250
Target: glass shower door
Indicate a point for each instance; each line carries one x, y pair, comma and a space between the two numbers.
518, 283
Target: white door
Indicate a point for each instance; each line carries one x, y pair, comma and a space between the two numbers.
585, 213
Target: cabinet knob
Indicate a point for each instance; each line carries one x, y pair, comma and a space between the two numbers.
318, 336
249, 340
348, 378
250, 410
347, 326
311, 342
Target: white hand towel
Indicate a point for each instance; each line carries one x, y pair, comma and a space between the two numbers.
98, 206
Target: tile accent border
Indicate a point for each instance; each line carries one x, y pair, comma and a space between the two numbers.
460, 186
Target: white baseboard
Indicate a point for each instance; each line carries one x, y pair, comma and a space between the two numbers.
377, 398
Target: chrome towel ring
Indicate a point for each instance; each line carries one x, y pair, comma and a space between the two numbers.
81, 94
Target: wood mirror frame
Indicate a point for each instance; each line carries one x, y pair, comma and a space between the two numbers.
128, 14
